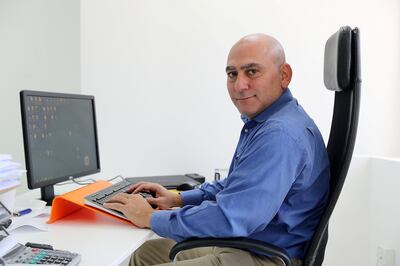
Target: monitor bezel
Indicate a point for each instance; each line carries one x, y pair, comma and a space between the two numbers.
32, 183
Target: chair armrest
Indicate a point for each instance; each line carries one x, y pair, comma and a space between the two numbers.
240, 243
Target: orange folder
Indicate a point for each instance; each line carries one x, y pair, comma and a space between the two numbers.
71, 202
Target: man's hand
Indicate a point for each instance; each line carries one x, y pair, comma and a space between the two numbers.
164, 199
133, 206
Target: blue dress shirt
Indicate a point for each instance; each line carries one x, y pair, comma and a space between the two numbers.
275, 191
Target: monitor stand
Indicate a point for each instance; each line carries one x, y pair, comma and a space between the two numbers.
47, 194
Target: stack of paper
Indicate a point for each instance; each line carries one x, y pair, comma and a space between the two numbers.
10, 172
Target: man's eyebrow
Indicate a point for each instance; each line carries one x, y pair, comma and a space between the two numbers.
230, 68
250, 65
244, 67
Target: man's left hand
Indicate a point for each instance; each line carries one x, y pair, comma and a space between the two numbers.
133, 206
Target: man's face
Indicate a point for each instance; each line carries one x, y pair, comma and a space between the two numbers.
253, 78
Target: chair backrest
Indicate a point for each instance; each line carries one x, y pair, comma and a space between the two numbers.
342, 75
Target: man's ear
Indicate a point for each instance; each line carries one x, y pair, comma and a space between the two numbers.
286, 75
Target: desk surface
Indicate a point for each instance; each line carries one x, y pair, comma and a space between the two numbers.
101, 240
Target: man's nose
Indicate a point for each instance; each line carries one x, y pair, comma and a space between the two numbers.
242, 83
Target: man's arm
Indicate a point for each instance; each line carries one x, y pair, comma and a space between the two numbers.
207, 191
252, 194
139, 211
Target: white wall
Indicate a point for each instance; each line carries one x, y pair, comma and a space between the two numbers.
385, 205
157, 71
39, 49
367, 215
350, 225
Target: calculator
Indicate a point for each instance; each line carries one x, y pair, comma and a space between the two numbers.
26, 255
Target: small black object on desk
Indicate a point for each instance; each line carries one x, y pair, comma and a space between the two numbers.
188, 185
37, 245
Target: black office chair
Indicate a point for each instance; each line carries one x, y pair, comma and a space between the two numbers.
342, 75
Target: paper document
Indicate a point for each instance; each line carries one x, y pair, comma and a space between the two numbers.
4, 157
10, 172
34, 220
6, 244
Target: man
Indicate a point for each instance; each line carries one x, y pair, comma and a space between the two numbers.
277, 184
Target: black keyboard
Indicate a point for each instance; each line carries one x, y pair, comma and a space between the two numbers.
98, 198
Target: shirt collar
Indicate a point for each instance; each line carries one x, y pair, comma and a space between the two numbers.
275, 106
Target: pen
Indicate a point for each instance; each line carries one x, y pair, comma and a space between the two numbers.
22, 212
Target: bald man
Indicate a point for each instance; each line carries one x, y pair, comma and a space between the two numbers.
277, 184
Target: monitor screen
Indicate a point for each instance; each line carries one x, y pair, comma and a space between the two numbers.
60, 138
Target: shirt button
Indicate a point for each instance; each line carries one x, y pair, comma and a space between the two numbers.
246, 130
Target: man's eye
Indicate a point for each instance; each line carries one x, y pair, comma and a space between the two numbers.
231, 75
251, 72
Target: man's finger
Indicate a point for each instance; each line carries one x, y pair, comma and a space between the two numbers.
114, 206
136, 185
121, 198
136, 189
122, 194
144, 187
153, 201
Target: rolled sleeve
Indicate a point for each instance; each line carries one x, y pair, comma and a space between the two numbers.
235, 212
192, 197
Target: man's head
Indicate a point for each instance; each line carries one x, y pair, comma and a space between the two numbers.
257, 73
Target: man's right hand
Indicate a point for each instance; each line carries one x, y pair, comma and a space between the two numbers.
164, 199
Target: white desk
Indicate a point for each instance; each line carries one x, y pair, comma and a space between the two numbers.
101, 240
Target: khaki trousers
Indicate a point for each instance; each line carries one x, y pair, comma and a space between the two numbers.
156, 251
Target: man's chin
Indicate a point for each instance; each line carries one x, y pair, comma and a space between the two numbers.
248, 114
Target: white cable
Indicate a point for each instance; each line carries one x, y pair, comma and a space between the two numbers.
123, 178
85, 181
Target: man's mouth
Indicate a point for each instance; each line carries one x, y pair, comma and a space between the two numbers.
244, 98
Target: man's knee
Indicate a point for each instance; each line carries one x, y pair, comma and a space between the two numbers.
155, 251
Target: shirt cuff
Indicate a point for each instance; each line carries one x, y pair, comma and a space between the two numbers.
192, 197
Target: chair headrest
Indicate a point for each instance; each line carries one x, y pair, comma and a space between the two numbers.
338, 60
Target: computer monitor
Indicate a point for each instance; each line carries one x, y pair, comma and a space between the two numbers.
60, 138
5, 214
